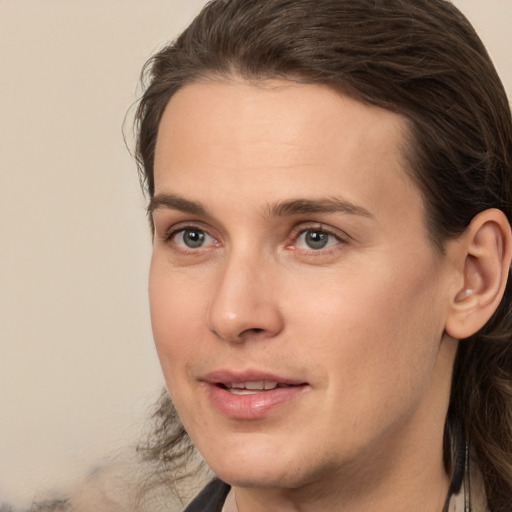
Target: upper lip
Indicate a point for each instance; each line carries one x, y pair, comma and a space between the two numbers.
227, 377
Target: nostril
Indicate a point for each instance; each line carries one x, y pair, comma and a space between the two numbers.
252, 331
250, 321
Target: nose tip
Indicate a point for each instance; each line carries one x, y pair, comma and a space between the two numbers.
247, 323
244, 306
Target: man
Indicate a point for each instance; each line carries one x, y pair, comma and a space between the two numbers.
329, 187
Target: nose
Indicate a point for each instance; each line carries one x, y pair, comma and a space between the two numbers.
245, 303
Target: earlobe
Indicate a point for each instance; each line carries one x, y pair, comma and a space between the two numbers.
485, 251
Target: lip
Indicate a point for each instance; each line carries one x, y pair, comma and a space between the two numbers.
250, 406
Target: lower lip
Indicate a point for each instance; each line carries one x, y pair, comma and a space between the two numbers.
253, 406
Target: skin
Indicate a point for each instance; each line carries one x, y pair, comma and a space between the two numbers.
361, 321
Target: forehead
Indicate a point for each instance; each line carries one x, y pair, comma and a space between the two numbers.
279, 138
246, 112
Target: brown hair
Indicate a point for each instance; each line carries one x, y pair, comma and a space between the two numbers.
421, 59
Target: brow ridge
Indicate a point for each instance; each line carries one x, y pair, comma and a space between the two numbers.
175, 202
323, 205
280, 209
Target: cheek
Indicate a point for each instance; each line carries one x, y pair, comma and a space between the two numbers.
175, 318
373, 329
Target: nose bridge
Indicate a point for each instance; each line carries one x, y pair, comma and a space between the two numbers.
244, 304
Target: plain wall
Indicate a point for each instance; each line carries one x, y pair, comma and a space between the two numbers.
77, 367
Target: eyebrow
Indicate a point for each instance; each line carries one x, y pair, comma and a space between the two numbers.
280, 209
323, 205
175, 202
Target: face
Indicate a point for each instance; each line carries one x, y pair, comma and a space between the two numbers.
297, 305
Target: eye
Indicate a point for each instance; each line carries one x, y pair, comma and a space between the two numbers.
192, 238
316, 239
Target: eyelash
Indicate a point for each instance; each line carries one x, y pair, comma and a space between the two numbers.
174, 231
301, 230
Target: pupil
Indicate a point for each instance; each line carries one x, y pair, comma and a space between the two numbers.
317, 239
193, 238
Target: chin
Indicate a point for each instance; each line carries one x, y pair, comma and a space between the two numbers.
256, 477
256, 467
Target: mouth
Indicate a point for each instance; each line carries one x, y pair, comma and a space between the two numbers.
252, 388
251, 395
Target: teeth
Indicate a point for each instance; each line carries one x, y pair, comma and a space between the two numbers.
235, 391
255, 385
260, 385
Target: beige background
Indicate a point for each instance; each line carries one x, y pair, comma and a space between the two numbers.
77, 366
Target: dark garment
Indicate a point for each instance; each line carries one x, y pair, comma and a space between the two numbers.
211, 498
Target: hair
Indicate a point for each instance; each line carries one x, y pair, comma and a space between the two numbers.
422, 60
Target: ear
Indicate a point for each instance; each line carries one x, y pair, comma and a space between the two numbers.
484, 253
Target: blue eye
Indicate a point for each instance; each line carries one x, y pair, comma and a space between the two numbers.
192, 238
315, 239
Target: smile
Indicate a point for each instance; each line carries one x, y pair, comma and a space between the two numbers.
245, 398
251, 388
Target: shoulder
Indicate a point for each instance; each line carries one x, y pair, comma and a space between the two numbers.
210, 499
